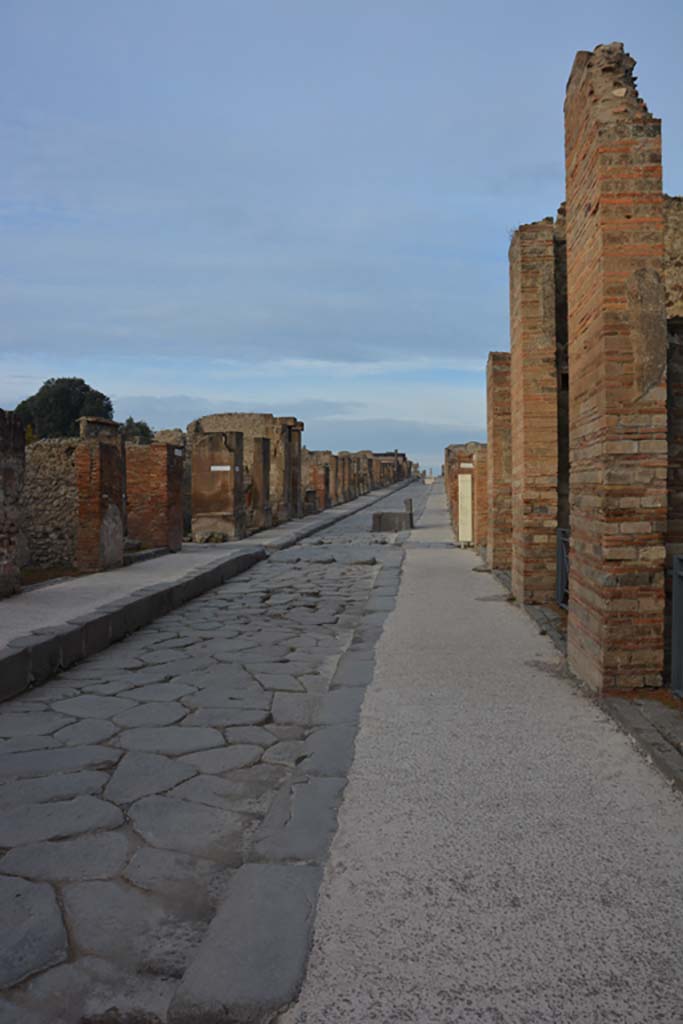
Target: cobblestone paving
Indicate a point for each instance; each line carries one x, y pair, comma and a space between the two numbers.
133, 786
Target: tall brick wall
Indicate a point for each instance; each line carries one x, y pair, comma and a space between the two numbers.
154, 495
673, 256
617, 370
533, 390
99, 469
480, 499
11, 484
499, 464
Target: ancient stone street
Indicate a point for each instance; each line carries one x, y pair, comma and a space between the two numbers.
136, 784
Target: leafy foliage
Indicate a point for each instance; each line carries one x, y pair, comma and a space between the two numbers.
138, 429
55, 408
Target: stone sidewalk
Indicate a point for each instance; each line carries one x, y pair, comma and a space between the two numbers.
58, 624
505, 854
166, 807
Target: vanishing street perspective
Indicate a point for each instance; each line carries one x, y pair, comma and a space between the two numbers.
294, 731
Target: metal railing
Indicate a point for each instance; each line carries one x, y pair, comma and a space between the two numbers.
562, 578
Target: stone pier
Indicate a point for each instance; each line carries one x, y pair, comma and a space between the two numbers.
499, 461
218, 512
154, 495
11, 484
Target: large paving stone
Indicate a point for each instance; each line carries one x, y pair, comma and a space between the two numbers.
224, 759
162, 691
178, 875
36, 822
139, 775
31, 723
156, 713
294, 708
219, 695
252, 960
224, 717
33, 935
288, 752
249, 790
90, 705
114, 920
172, 739
22, 743
88, 730
301, 821
102, 855
249, 734
51, 787
62, 759
279, 681
329, 751
174, 824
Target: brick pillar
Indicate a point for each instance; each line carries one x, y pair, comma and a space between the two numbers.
261, 512
11, 484
480, 498
334, 479
99, 473
499, 461
617, 367
217, 490
154, 495
533, 402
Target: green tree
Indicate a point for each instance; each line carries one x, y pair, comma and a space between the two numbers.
55, 408
138, 429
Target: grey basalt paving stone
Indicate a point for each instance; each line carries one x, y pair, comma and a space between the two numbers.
169, 691
22, 743
100, 855
174, 824
30, 723
157, 713
294, 708
252, 960
286, 752
249, 734
301, 821
116, 921
63, 759
33, 823
10, 1013
87, 730
171, 739
185, 879
279, 681
51, 787
249, 696
139, 775
247, 791
329, 751
223, 717
33, 935
93, 706
225, 759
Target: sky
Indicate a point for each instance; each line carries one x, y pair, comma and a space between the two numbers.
300, 207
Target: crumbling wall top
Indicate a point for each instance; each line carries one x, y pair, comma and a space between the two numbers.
607, 74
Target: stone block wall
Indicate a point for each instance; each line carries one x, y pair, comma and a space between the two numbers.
178, 439
49, 518
259, 515
533, 400
499, 461
316, 480
11, 484
154, 495
617, 375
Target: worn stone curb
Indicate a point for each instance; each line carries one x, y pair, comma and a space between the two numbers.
34, 658
646, 736
251, 964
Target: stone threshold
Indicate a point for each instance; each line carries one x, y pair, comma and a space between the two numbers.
58, 624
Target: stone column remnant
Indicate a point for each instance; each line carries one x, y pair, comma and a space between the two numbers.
617, 375
154, 494
499, 465
480, 496
217, 492
11, 484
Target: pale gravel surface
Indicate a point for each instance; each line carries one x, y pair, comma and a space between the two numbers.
504, 853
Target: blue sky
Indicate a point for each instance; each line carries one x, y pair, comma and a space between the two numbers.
301, 207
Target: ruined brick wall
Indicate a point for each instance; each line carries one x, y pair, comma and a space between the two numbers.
315, 470
459, 460
100, 480
673, 256
480, 499
617, 393
49, 519
154, 495
218, 512
11, 484
178, 439
499, 461
533, 401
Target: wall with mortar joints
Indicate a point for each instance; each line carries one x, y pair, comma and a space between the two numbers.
617, 375
499, 466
